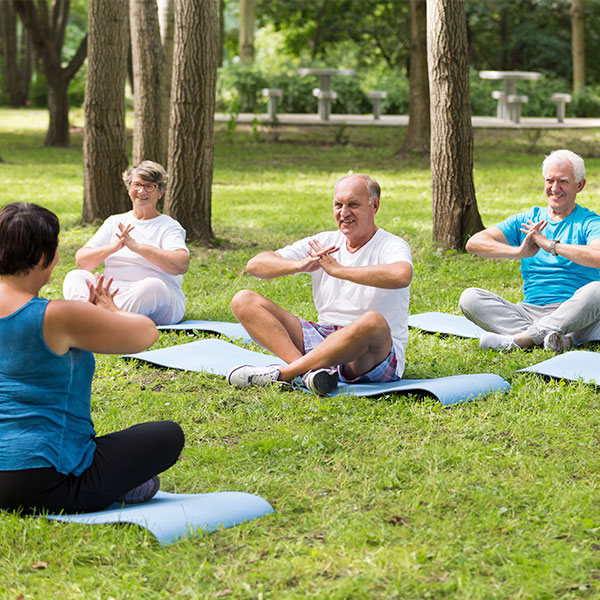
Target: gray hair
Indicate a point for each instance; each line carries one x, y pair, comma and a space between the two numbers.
148, 171
559, 156
373, 188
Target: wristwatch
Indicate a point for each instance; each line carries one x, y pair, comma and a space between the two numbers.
553, 247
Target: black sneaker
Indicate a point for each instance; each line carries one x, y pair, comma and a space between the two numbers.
321, 381
142, 493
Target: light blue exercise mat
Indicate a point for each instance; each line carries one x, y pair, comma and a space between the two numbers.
218, 357
231, 330
170, 517
439, 322
576, 365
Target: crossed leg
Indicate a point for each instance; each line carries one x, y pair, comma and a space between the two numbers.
359, 346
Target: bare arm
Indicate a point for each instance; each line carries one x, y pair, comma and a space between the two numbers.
174, 262
492, 243
270, 264
587, 256
90, 258
98, 326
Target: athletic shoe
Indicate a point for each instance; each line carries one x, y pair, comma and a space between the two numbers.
321, 381
244, 376
497, 341
557, 342
141, 493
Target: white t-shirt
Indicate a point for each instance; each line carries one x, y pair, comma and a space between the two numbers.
340, 302
127, 267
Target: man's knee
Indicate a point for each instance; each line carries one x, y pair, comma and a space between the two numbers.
244, 300
469, 300
373, 323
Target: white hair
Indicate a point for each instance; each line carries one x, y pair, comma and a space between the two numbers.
560, 156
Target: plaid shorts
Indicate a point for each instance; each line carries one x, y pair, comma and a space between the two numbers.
314, 334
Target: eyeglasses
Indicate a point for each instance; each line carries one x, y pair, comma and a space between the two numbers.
149, 187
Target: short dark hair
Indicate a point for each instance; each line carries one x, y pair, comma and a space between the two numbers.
28, 234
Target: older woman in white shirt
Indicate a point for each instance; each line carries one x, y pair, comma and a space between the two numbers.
143, 251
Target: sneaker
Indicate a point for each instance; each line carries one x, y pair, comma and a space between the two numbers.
557, 342
321, 381
247, 376
497, 341
142, 493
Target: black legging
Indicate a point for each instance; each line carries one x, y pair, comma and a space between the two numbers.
122, 461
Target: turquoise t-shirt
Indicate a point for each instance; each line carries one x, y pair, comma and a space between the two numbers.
45, 418
547, 278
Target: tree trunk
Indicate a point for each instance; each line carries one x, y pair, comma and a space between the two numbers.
47, 31
191, 134
455, 214
166, 20
578, 44
104, 142
221, 50
16, 56
246, 39
418, 132
147, 54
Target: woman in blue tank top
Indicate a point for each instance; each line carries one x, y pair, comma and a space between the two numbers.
50, 457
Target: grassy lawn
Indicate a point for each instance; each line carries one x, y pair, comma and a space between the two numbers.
390, 497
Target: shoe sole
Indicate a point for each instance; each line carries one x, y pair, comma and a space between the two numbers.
231, 372
323, 383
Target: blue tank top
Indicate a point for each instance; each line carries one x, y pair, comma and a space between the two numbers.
45, 418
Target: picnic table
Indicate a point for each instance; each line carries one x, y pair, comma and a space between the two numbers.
510, 79
326, 94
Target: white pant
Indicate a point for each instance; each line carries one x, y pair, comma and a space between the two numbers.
149, 296
578, 316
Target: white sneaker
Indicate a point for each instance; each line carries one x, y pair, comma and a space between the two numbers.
244, 376
321, 381
557, 342
497, 341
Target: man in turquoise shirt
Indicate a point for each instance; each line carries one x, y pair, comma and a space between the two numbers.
559, 250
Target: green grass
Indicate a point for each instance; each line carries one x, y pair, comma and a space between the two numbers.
391, 497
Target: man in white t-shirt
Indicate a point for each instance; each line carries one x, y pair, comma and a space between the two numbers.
360, 278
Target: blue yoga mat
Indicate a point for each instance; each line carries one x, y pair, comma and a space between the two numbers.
576, 365
438, 322
218, 357
231, 330
170, 517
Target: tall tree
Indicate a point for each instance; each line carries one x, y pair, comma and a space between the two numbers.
246, 38
191, 133
17, 54
147, 55
455, 214
578, 44
418, 131
104, 142
46, 26
166, 20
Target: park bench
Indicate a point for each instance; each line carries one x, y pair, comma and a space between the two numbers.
272, 94
376, 96
325, 99
515, 101
498, 95
561, 103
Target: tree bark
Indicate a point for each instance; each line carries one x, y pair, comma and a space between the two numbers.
166, 20
578, 44
246, 39
191, 134
455, 214
147, 54
104, 142
418, 132
17, 56
47, 31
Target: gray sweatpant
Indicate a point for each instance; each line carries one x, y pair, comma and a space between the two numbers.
578, 316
